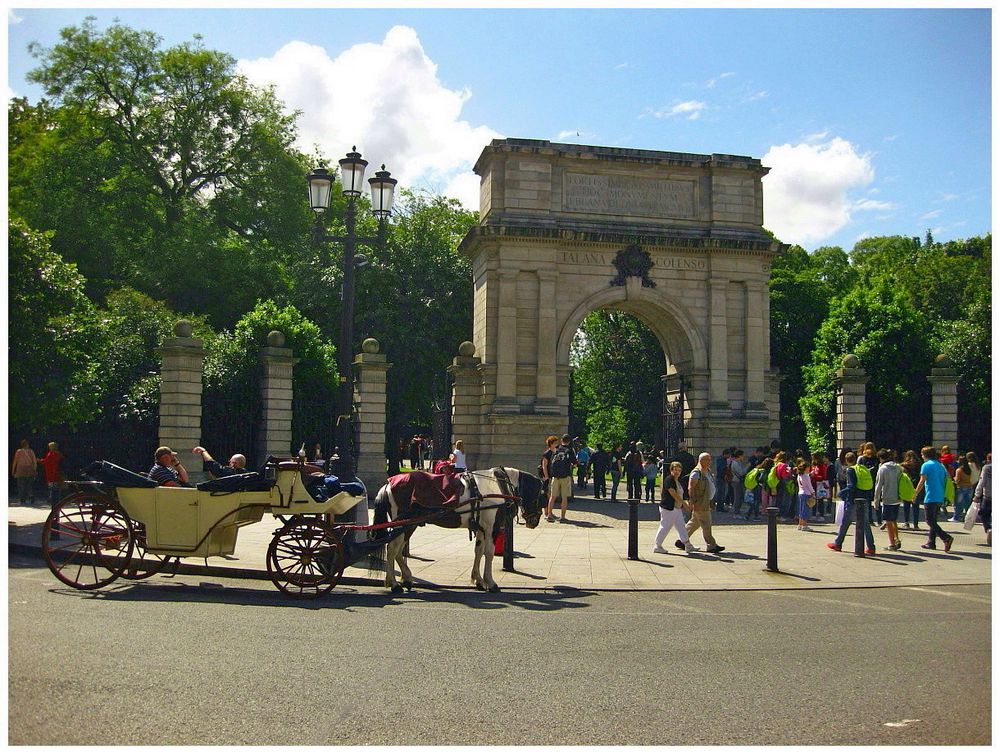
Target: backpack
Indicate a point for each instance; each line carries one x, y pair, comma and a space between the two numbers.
864, 477
750, 480
904, 488
562, 461
949, 491
772, 480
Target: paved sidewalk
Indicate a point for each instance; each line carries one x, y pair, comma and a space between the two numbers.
589, 552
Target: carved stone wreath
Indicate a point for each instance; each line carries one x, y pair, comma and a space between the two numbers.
632, 261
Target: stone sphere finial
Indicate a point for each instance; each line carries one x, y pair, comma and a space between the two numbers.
851, 361
467, 349
276, 339
942, 361
182, 328
370, 345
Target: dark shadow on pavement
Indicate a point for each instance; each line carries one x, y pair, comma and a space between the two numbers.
653, 562
799, 576
342, 597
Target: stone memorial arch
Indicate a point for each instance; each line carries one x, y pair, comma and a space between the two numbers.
673, 239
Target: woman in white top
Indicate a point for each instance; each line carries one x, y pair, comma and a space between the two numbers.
671, 511
806, 491
457, 457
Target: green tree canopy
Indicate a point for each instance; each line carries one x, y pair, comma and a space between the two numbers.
53, 330
162, 169
617, 388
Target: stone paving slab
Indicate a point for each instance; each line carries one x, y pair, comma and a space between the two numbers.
590, 552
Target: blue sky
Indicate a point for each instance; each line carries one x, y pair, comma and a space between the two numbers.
874, 122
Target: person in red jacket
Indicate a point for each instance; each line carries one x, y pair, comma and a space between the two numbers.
948, 459
51, 464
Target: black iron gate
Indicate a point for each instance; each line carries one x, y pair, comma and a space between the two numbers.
441, 419
673, 418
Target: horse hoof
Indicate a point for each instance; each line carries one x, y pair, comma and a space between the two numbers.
397, 589
408, 585
494, 588
480, 588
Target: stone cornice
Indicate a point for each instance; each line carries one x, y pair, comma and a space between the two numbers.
649, 156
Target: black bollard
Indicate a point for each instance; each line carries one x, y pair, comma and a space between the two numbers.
508, 542
633, 529
772, 540
860, 504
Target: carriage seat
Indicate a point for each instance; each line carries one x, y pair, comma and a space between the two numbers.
424, 490
116, 476
250, 482
324, 486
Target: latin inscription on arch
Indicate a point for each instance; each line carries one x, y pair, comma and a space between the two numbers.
602, 259
628, 196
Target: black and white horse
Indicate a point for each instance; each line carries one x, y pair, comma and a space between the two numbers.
483, 495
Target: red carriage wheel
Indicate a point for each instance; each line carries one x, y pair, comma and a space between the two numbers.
305, 558
143, 563
87, 540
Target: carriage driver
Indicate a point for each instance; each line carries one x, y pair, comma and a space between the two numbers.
237, 464
168, 470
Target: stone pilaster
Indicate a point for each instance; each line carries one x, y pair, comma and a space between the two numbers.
755, 352
182, 361
467, 388
276, 394
506, 395
547, 334
944, 403
852, 420
370, 371
718, 389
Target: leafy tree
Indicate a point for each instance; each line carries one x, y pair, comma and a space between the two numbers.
618, 364
162, 169
800, 300
415, 299
53, 327
232, 373
882, 328
127, 368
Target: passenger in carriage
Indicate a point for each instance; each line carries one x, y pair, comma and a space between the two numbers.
237, 463
168, 471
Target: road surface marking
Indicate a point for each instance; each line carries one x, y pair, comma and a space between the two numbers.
949, 594
865, 605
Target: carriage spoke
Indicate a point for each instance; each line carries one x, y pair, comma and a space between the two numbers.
100, 540
292, 558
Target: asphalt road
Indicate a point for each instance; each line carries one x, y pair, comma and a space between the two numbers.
183, 661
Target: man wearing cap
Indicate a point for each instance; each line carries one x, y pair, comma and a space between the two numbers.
168, 470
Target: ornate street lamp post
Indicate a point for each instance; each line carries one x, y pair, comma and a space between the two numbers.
352, 174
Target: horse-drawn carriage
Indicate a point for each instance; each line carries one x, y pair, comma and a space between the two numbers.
122, 524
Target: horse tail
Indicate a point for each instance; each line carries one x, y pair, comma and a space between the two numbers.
376, 558
382, 503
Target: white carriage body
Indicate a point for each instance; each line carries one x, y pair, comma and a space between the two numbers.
186, 522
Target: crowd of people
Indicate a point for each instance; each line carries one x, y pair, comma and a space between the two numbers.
806, 488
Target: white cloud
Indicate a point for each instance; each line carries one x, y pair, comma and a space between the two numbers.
806, 193
712, 82
621, 66
691, 109
385, 98
873, 204
13, 18
755, 96
814, 137
946, 197
930, 215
